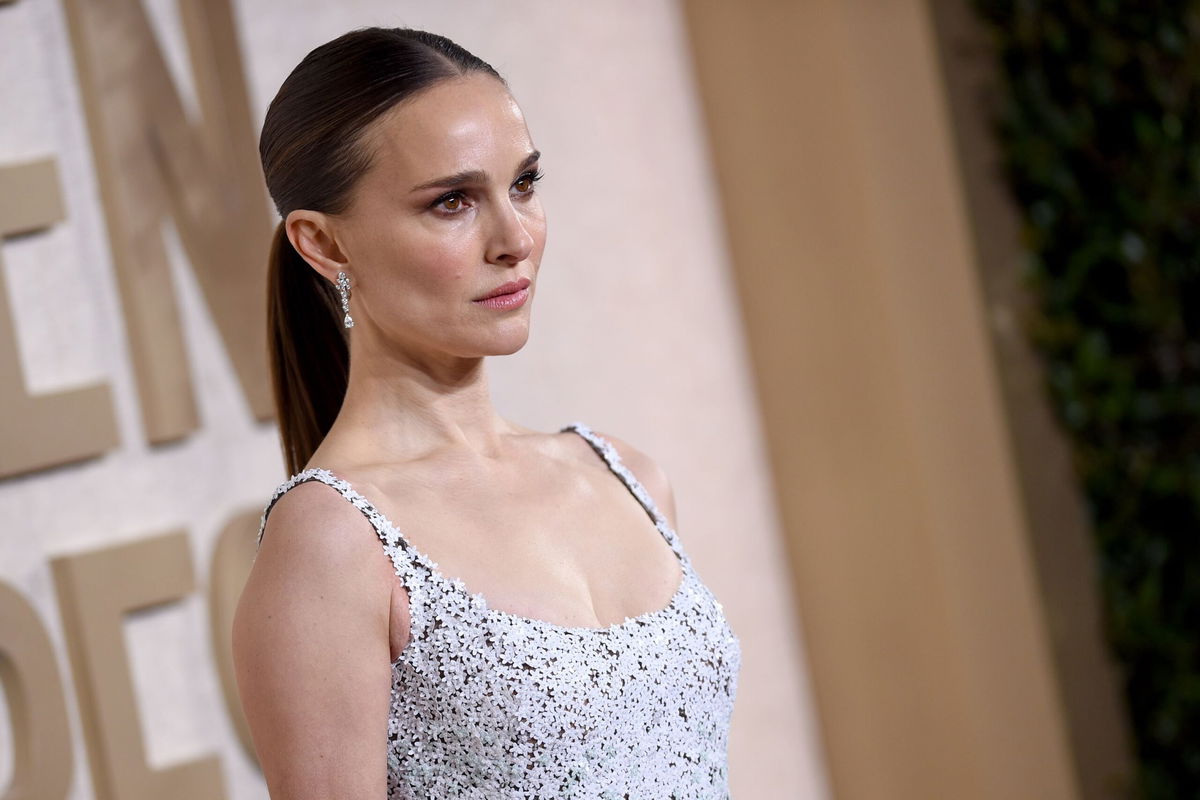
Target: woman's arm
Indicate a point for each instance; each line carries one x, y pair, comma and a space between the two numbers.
311, 651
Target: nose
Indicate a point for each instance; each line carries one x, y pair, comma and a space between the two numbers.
511, 242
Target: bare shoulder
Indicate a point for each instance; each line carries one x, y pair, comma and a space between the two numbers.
316, 548
316, 542
314, 521
648, 472
316, 606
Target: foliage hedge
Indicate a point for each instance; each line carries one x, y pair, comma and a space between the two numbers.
1099, 127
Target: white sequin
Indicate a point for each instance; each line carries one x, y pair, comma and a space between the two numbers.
487, 704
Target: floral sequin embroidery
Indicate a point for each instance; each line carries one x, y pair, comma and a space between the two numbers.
487, 704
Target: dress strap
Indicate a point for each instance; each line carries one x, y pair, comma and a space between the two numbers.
612, 458
393, 544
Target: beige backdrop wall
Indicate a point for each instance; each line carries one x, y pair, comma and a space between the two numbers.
636, 332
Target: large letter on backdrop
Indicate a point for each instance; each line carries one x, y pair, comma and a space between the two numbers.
155, 165
43, 762
95, 590
49, 429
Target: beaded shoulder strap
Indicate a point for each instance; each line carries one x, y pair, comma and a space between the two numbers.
612, 458
393, 544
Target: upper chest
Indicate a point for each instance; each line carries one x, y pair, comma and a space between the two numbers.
556, 536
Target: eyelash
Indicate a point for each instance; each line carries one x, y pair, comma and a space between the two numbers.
533, 175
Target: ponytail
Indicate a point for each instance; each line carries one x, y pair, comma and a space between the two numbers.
310, 360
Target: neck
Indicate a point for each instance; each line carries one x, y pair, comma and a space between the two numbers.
401, 405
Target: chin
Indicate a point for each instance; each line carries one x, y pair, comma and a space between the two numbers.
505, 340
508, 345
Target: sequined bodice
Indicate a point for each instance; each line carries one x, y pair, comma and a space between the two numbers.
488, 704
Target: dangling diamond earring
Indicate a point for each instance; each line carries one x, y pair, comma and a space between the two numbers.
344, 288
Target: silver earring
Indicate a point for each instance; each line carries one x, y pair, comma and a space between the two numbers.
344, 288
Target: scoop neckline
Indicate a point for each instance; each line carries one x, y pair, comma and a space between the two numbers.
459, 586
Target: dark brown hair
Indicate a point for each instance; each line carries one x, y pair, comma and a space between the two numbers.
312, 156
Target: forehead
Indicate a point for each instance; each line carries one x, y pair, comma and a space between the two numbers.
461, 123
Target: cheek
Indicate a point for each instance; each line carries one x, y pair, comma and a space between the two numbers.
423, 260
441, 261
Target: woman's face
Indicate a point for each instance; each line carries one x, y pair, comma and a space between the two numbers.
446, 214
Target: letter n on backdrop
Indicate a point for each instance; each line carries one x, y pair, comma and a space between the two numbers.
154, 166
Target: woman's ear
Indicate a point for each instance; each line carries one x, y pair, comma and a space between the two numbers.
312, 234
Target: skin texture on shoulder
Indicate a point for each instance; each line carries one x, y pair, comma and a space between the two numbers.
649, 473
311, 648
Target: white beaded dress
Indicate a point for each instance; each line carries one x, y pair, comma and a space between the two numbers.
487, 704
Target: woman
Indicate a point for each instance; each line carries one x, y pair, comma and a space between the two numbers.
536, 629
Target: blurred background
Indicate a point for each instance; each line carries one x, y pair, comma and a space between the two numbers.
902, 295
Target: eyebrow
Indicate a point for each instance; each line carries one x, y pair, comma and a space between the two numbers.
471, 175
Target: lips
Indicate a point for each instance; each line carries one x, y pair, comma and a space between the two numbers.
506, 288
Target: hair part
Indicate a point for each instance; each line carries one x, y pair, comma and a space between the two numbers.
313, 151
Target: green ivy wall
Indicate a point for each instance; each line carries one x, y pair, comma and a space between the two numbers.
1100, 135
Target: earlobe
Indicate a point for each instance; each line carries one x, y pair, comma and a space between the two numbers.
311, 233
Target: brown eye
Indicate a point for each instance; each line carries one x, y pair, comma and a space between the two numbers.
524, 184
452, 203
